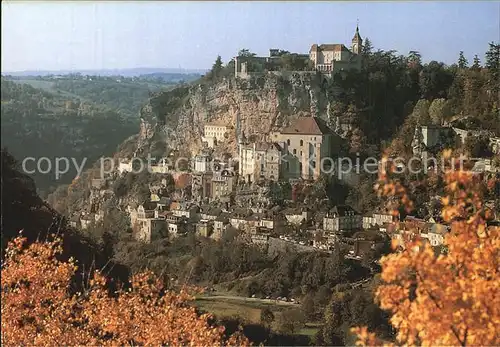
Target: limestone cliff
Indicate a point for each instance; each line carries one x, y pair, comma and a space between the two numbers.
175, 119
264, 103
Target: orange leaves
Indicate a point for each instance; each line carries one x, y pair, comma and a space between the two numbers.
37, 308
451, 299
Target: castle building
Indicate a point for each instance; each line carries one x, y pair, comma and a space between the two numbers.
327, 58
336, 57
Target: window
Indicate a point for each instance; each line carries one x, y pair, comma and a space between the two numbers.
313, 164
300, 153
301, 143
294, 151
288, 142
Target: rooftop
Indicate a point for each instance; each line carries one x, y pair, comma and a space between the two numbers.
336, 47
308, 126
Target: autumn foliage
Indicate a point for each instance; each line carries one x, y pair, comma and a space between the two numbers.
451, 298
39, 308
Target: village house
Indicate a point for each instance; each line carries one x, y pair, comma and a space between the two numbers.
161, 166
183, 209
223, 185
201, 186
243, 219
205, 227
259, 160
176, 225
342, 218
332, 58
214, 132
377, 219
202, 162
495, 145
163, 203
220, 226
75, 221
87, 220
209, 212
435, 234
149, 229
296, 215
274, 222
260, 236
309, 146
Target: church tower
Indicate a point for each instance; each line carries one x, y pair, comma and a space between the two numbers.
357, 42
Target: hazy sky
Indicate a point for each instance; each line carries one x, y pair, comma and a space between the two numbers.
91, 35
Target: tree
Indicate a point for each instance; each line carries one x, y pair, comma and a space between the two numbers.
293, 62
245, 53
446, 299
476, 65
439, 110
462, 61
217, 68
415, 59
291, 321
367, 48
493, 65
266, 317
39, 307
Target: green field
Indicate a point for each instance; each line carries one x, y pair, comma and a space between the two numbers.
248, 310
47, 86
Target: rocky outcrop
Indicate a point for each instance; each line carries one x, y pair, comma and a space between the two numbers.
264, 103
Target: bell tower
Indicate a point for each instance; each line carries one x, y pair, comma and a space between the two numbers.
357, 41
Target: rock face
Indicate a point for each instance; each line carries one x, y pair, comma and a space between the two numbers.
264, 103
174, 120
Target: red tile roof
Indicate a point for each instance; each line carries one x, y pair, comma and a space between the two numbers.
308, 126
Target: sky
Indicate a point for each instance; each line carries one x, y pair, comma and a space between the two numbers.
107, 35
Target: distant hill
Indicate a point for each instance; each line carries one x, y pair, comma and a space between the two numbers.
38, 122
133, 72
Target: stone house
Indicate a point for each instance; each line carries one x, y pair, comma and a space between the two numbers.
495, 145
259, 160
214, 132
296, 215
260, 236
75, 221
274, 222
209, 212
202, 163
150, 229
220, 226
377, 219
205, 227
202, 185
223, 184
342, 218
87, 219
435, 234
310, 147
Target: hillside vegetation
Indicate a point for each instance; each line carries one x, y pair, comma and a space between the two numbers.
37, 123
